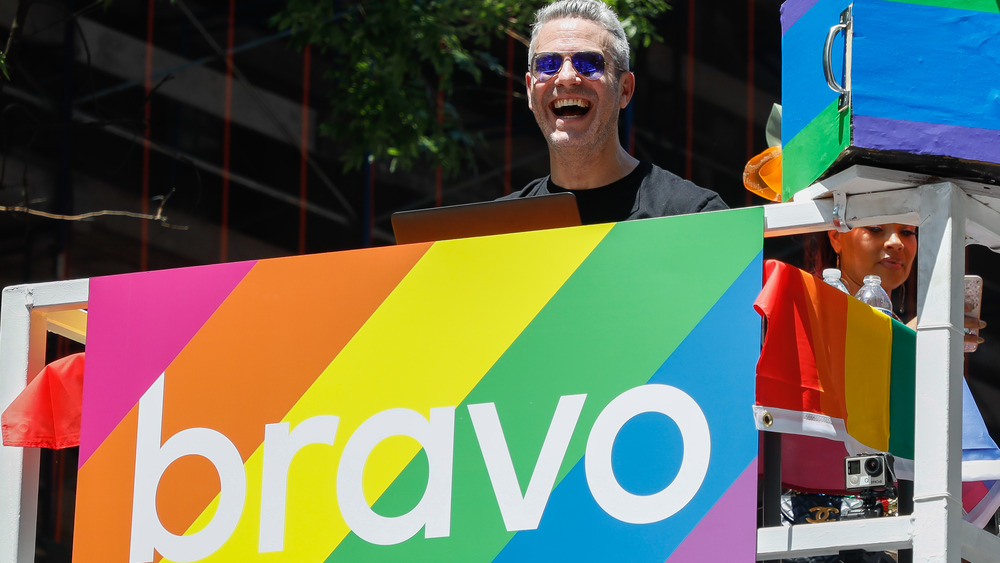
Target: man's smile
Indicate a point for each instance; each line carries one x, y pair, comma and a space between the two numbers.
570, 107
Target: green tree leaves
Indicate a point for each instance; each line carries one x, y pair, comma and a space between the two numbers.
3, 66
396, 63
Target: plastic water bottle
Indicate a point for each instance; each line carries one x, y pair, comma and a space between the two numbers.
832, 277
873, 294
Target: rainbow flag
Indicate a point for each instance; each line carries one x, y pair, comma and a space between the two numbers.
454, 401
835, 358
832, 367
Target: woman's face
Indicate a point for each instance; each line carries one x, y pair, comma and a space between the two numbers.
885, 250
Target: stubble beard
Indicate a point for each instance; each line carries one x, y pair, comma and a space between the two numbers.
582, 148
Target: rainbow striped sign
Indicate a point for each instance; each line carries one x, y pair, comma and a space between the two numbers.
577, 393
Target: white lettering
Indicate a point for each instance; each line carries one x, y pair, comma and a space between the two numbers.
436, 436
151, 460
524, 512
608, 492
433, 512
280, 446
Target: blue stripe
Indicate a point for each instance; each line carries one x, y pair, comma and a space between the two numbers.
574, 527
926, 63
976, 441
804, 92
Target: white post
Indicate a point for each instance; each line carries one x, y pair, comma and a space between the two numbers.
22, 351
23, 330
937, 510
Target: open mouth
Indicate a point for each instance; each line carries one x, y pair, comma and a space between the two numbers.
570, 108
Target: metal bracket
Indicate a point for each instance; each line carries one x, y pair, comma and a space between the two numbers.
844, 101
840, 212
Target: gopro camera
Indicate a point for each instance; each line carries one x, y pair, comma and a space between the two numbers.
869, 471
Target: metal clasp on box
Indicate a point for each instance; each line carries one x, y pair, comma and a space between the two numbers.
839, 214
831, 81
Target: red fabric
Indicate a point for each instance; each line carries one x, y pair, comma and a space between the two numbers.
787, 374
788, 377
973, 492
47, 413
812, 465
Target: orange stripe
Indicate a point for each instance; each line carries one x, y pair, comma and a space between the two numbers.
828, 340
290, 350
105, 487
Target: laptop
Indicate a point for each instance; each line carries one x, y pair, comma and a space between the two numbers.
550, 211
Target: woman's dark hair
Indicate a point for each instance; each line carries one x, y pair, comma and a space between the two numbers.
817, 254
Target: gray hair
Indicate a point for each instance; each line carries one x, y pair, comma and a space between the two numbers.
592, 10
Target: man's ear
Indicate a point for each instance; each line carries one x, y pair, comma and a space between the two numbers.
626, 89
835, 242
527, 88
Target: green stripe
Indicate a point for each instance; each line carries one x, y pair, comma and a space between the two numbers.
811, 152
974, 5
608, 329
902, 396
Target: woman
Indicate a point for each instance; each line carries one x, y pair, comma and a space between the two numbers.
886, 250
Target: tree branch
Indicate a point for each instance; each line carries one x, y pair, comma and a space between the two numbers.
158, 216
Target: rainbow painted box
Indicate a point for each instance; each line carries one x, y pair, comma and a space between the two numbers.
905, 85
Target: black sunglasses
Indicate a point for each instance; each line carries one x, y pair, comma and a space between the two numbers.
588, 64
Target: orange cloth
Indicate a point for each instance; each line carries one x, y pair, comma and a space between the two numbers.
762, 174
47, 413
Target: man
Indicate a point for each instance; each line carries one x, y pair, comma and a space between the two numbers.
578, 81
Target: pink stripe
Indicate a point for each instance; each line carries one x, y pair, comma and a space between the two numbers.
734, 513
792, 10
135, 329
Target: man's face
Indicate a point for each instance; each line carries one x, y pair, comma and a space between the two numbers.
571, 110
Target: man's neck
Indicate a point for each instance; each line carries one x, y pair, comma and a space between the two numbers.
586, 169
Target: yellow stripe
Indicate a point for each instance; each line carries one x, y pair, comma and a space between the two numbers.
867, 365
428, 345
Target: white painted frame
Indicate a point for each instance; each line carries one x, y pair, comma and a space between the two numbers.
27, 314
951, 214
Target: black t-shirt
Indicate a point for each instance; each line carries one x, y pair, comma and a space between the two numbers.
648, 191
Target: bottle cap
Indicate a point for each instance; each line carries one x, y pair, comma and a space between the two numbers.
831, 273
873, 278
